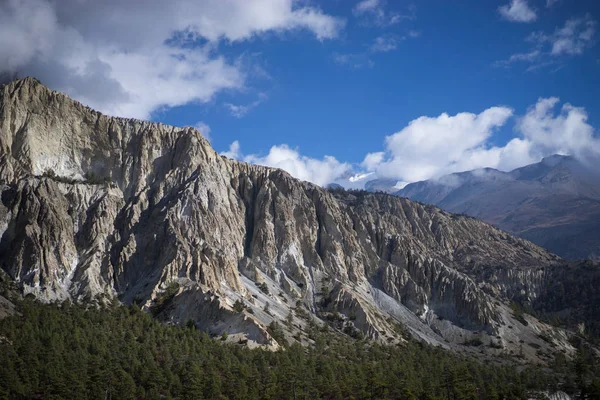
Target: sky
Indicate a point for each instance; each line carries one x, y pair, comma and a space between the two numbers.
341, 91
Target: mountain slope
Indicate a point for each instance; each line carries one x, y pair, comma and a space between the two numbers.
94, 207
554, 203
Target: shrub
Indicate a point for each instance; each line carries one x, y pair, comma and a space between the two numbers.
276, 332
263, 287
164, 299
238, 306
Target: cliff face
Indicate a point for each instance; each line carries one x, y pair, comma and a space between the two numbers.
96, 207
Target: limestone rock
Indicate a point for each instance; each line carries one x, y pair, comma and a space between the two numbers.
96, 207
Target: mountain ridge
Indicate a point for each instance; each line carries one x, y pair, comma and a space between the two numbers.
97, 208
553, 203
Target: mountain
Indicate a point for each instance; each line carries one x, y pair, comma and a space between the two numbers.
554, 203
96, 209
382, 185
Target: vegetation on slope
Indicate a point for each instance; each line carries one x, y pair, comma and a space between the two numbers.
572, 299
62, 351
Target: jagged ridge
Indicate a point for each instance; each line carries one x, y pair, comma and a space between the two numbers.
99, 206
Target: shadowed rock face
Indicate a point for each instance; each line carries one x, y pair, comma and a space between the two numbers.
94, 206
554, 203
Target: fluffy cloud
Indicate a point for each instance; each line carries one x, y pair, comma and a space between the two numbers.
566, 132
128, 60
517, 11
367, 6
320, 172
430, 147
574, 37
234, 151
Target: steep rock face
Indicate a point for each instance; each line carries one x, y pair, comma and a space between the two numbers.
93, 206
73, 217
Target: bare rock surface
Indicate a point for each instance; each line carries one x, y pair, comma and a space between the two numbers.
94, 207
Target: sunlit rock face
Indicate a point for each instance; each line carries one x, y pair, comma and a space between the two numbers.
94, 207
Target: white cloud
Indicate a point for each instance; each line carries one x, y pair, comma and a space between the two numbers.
385, 43
320, 172
234, 151
381, 44
572, 39
546, 64
517, 11
353, 60
128, 60
549, 49
204, 129
360, 177
552, 3
240, 111
431, 147
530, 57
367, 6
373, 12
565, 132
373, 160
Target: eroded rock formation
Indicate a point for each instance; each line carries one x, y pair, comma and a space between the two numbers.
97, 207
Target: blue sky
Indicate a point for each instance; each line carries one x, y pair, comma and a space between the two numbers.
336, 78
323, 107
445, 60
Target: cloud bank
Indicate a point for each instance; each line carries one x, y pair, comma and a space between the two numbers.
320, 172
127, 60
430, 147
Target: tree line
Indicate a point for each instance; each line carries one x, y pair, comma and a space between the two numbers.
66, 351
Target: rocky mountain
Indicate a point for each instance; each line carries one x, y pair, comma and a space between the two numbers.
95, 208
554, 203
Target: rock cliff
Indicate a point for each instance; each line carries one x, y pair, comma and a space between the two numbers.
94, 207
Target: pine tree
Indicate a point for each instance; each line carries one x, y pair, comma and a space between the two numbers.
192, 382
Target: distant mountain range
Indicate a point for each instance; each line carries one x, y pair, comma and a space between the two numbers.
554, 203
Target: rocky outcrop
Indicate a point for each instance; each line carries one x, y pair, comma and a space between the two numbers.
96, 207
